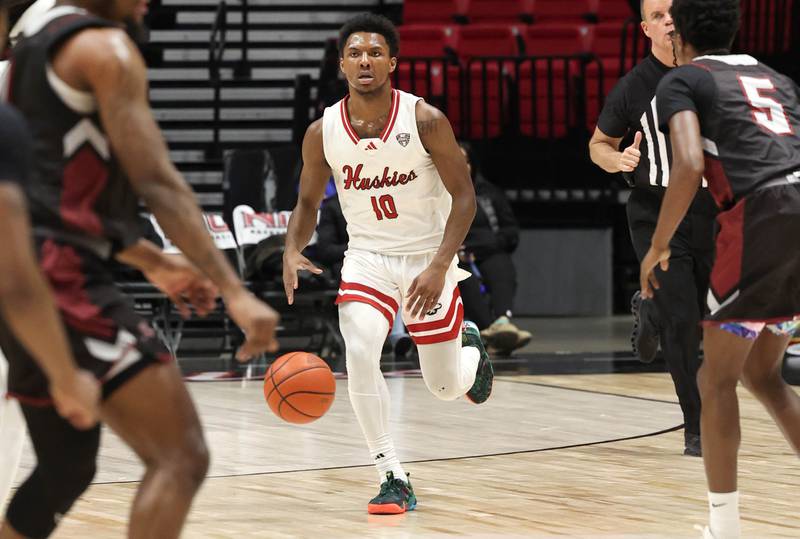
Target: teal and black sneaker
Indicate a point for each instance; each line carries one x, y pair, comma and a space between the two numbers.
396, 496
482, 388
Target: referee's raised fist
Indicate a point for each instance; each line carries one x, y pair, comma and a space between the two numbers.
629, 158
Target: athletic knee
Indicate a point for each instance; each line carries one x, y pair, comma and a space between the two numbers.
760, 382
362, 358
443, 391
711, 381
186, 465
194, 463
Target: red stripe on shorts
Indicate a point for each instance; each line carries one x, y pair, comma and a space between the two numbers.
344, 298
444, 336
437, 324
388, 300
727, 270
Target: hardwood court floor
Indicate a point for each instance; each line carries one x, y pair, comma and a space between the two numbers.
537, 460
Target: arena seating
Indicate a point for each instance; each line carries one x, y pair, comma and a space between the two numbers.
432, 11
546, 85
499, 11
510, 63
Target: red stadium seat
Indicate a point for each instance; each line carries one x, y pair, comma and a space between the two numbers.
486, 92
766, 26
432, 11
607, 46
426, 40
422, 70
487, 40
558, 39
498, 11
613, 10
547, 87
547, 11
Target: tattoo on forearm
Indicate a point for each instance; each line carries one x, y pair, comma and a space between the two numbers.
427, 127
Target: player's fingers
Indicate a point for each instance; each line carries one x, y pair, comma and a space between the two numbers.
287, 286
249, 349
181, 305
82, 420
310, 267
290, 291
273, 346
415, 305
429, 304
633, 152
665, 265
412, 290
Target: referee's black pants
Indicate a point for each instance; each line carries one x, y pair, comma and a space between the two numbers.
681, 300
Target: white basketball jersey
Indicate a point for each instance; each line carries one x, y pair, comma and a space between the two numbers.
391, 194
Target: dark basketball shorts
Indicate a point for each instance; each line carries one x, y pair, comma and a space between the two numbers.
106, 335
755, 280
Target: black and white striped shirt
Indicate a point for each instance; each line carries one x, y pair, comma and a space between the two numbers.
631, 107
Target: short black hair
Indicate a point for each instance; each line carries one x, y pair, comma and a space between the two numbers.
707, 25
374, 24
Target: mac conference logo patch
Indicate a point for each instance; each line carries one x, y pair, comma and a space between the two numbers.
403, 139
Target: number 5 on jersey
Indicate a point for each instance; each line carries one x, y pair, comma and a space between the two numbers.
766, 111
384, 207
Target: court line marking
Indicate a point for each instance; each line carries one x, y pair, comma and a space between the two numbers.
582, 390
468, 457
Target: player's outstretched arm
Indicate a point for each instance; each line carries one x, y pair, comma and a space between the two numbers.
27, 306
174, 275
685, 177
438, 139
106, 63
313, 179
113, 70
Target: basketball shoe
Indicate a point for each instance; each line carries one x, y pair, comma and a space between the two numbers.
644, 338
692, 446
482, 387
501, 334
396, 496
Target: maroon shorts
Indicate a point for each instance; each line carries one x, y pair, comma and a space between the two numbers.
756, 274
106, 335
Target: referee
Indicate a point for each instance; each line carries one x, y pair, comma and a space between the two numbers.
674, 316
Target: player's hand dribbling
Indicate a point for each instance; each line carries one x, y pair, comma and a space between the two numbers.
647, 279
184, 284
78, 399
425, 291
257, 320
293, 262
629, 159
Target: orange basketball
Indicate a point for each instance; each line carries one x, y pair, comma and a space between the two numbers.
299, 387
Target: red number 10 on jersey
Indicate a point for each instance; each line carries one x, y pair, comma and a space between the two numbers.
384, 207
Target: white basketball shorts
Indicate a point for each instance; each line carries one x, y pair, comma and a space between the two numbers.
383, 281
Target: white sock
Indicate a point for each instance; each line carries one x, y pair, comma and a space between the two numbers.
385, 457
723, 509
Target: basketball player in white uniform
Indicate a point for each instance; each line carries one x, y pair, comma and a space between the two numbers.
408, 200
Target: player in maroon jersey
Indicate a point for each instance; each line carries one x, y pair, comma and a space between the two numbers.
81, 85
735, 121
